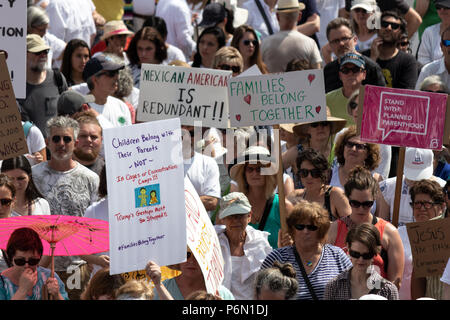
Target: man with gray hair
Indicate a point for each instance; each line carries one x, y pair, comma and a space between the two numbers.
69, 188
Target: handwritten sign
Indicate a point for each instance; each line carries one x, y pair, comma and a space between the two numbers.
402, 117
145, 195
430, 246
12, 138
192, 94
202, 239
13, 33
290, 97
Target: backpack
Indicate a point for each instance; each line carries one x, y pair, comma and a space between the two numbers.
58, 80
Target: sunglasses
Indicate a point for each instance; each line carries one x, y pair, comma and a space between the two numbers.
360, 10
21, 261
251, 169
66, 139
364, 204
404, 43
359, 146
446, 43
347, 70
394, 26
321, 123
357, 255
41, 52
310, 227
188, 254
439, 91
315, 173
439, 7
343, 39
420, 204
109, 73
247, 42
235, 69
6, 202
353, 105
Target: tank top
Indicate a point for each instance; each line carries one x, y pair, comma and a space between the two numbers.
379, 260
327, 202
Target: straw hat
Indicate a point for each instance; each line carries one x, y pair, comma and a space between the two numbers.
253, 155
337, 124
289, 5
114, 28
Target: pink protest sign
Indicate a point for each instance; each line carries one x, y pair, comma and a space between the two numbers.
406, 118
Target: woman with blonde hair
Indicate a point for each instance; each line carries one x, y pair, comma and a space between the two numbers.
228, 58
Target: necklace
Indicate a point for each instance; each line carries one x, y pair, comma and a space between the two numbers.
309, 263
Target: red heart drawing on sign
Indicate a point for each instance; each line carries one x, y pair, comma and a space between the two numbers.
311, 77
238, 117
318, 108
248, 99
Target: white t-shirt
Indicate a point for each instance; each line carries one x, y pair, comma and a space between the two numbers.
364, 45
436, 67
329, 10
144, 7
405, 289
174, 53
41, 207
204, 175
430, 49
256, 20
446, 275
115, 110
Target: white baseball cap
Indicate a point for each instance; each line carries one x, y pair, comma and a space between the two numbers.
418, 164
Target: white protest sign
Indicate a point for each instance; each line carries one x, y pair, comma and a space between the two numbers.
290, 97
202, 239
13, 34
145, 175
192, 94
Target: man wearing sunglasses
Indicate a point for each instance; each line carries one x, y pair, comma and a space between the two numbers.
399, 68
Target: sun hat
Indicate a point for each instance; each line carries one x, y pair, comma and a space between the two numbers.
234, 203
70, 102
114, 28
253, 155
418, 164
35, 43
100, 63
337, 124
368, 5
240, 15
289, 5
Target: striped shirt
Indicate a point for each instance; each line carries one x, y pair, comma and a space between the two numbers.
332, 262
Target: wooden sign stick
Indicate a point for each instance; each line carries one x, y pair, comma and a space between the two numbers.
280, 182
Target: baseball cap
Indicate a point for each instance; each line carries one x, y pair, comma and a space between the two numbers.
418, 164
442, 3
353, 58
100, 63
70, 102
368, 5
35, 43
212, 15
234, 203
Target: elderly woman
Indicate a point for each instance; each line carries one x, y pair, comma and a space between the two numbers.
361, 190
228, 58
313, 172
363, 243
428, 203
315, 262
276, 283
246, 41
25, 280
243, 248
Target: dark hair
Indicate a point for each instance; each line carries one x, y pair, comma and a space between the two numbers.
230, 19
24, 239
22, 163
102, 186
337, 23
361, 179
150, 34
102, 283
395, 14
256, 58
158, 23
220, 37
66, 65
367, 234
297, 65
317, 159
429, 187
280, 277
202, 295
444, 32
6, 182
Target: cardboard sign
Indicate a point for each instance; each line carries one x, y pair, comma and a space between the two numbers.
202, 239
290, 97
12, 138
145, 178
402, 117
192, 94
13, 34
430, 246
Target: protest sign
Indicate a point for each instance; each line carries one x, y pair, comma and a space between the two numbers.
401, 117
291, 97
192, 94
12, 138
145, 175
13, 33
202, 239
430, 246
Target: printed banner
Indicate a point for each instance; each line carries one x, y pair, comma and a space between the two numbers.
406, 118
13, 34
192, 94
145, 177
290, 97
202, 239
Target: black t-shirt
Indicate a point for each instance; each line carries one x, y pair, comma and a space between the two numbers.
399, 72
374, 76
385, 5
310, 9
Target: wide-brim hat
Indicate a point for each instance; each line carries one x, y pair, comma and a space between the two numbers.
337, 124
35, 43
289, 6
240, 16
253, 155
114, 28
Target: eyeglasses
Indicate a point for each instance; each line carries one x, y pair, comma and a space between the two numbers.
251, 169
357, 255
315, 173
21, 261
359, 146
343, 39
385, 24
6, 202
404, 43
109, 73
57, 139
353, 105
247, 42
321, 123
310, 227
41, 52
446, 43
346, 70
235, 69
420, 204
364, 204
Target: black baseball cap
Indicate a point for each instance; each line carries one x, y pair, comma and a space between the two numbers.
100, 63
212, 15
442, 3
